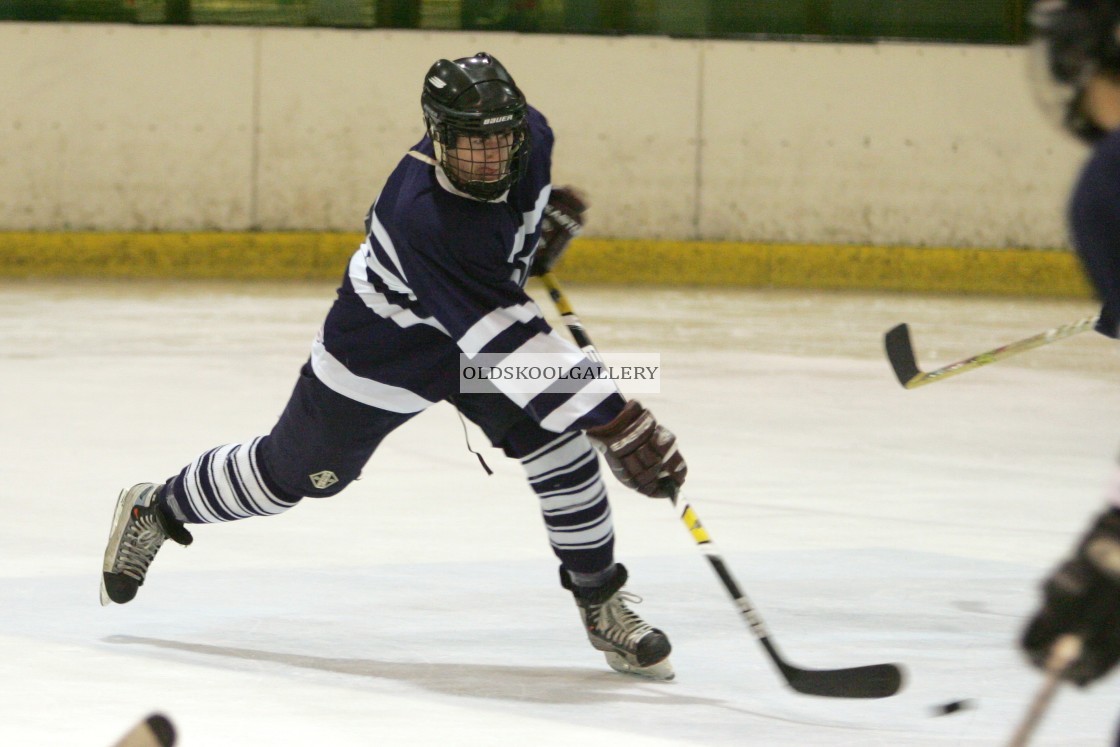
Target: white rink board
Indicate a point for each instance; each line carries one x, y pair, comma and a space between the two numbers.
939, 145
120, 128
334, 124
140, 128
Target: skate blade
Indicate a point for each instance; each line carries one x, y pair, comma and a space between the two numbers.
661, 671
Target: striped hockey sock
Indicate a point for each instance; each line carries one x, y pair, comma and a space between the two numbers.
564, 474
225, 484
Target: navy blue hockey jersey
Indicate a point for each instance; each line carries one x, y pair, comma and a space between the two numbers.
441, 273
1094, 219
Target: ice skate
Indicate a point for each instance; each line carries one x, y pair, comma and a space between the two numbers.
630, 644
138, 530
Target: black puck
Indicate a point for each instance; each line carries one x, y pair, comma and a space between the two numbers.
952, 707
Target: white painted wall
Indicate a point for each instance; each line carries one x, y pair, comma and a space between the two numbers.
882, 143
153, 128
114, 127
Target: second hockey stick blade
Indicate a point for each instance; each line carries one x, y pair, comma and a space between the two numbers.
900, 352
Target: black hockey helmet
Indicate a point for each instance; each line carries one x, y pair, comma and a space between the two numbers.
475, 98
1073, 41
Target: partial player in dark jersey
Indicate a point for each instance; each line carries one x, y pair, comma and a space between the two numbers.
461, 223
1076, 69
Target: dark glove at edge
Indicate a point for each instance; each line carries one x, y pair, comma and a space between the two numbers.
562, 221
1082, 596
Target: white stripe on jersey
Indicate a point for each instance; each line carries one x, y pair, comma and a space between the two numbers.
539, 352
590, 395
388, 276
493, 324
578, 405
367, 391
364, 260
386, 243
529, 222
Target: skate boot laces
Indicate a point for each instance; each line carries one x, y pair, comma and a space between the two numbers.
142, 539
618, 623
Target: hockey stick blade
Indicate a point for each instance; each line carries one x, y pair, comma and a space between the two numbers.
900, 353
872, 681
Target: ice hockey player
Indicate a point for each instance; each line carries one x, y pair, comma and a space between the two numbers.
459, 226
1076, 69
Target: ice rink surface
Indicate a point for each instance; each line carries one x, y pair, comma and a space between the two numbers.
867, 523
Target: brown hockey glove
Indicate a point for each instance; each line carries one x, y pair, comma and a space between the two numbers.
562, 222
1082, 597
640, 452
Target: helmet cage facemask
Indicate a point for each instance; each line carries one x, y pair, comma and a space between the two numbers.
1071, 44
482, 141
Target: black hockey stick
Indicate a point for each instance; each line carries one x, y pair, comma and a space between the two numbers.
874, 681
900, 352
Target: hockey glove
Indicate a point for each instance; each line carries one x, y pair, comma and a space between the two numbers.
562, 222
640, 452
1082, 596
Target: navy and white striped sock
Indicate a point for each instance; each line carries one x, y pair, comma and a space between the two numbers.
225, 484
565, 475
